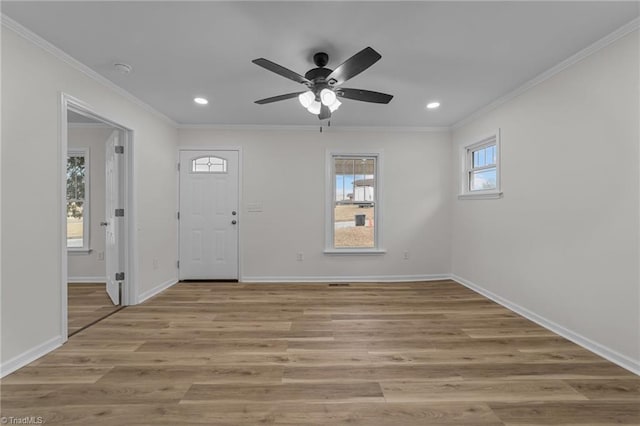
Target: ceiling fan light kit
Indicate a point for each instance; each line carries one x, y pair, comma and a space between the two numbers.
315, 107
328, 97
306, 98
323, 84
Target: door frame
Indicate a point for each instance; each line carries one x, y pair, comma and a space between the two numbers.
129, 245
236, 148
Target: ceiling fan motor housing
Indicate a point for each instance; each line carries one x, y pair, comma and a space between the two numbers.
320, 59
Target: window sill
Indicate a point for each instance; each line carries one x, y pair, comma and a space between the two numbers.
480, 196
354, 251
78, 251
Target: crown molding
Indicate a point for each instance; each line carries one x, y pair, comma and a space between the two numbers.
311, 128
79, 66
571, 60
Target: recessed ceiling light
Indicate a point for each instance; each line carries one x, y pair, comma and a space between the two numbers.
433, 105
200, 101
122, 68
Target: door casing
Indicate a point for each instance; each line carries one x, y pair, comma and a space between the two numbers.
129, 246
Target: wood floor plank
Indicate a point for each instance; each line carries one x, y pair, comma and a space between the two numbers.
112, 393
87, 303
481, 357
484, 390
309, 354
343, 373
322, 392
194, 374
277, 413
568, 412
57, 374
607, 389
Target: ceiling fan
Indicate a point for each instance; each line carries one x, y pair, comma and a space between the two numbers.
324, 85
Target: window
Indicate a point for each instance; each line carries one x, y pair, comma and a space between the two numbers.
481, 171
209, 165
78, 200
353, 214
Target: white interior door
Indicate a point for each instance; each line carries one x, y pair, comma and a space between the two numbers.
112, 222
209, 215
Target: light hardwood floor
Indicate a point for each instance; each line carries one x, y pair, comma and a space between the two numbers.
367, 354
87, 303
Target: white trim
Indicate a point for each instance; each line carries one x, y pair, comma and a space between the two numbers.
546, 75
595, 347
79, 66
72, 251
466, 149
354, 251
68, 102
63, 256
313, 128
88, 126
86, 280
489, 195
330, 198
347, 279
30, 355
157, 289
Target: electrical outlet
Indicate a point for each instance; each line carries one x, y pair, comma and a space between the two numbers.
300, 257
100, 255
405, 255
155, 263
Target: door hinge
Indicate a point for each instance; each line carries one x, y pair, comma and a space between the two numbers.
178, 215
178, 166
178, 264
119, 149
119, 213
119, 276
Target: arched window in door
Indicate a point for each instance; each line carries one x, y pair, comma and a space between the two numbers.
209, 165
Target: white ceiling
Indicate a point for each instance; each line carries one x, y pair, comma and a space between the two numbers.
464, 54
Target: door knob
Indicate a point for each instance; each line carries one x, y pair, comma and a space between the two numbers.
234, 213
104, 223
233, 222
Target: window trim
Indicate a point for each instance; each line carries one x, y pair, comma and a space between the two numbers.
466, 167
86, 208
330, 202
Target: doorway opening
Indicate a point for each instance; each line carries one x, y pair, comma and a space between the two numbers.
96, 226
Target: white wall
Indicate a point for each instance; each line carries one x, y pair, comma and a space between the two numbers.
83, 267
32, 80
563, 242
285, 172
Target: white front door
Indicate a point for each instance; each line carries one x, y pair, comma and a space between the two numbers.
209, 215
112, 222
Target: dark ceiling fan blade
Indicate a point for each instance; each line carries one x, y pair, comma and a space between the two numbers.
280, 70
325, 112
364, 95
278, 98
354, 65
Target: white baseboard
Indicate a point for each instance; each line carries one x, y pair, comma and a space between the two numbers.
86, 280
345, 279
157, 289
29, 356
595, 347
